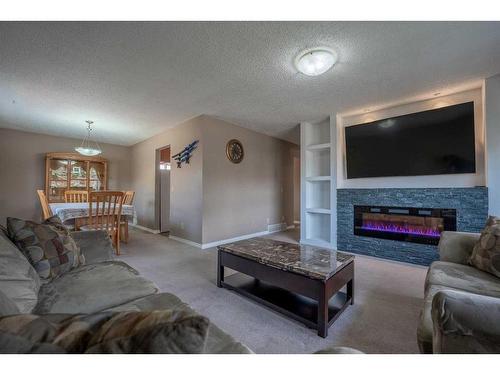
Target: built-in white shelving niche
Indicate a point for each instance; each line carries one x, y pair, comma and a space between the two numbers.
317, 133
318, 162
318, 194
318, 229
318, 189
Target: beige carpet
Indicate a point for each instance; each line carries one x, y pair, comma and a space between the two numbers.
388, 298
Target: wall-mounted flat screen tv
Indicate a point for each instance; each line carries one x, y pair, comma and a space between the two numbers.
438, 141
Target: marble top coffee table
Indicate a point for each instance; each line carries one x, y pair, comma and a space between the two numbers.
300, 281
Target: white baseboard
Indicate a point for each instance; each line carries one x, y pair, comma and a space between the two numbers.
154, 231
215, 243
188, 242
234, 239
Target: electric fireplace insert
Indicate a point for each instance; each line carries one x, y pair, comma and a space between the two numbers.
412, 224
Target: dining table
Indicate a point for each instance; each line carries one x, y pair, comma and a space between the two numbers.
76, 210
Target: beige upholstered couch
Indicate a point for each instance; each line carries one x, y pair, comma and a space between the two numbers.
462, 304
102, 284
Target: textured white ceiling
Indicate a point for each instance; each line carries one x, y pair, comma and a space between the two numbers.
137, 79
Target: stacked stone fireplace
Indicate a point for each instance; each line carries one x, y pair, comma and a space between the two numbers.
406, 224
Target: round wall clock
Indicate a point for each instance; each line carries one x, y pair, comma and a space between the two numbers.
234, 151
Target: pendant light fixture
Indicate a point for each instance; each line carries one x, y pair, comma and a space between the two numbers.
89, 147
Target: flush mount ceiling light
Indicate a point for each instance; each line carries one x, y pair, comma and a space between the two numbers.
315, 61
88, 146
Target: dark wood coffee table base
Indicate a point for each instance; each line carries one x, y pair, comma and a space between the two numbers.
315, 303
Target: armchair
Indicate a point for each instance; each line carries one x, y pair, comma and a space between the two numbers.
465, 323
461, 303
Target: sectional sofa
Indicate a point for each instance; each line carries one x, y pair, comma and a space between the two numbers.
102, 284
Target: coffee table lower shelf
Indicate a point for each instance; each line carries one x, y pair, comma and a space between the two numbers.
288, 303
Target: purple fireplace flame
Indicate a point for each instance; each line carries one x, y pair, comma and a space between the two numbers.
411, 224
400, 228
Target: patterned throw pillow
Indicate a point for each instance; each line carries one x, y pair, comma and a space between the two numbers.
165, 331
48, 246
486, 253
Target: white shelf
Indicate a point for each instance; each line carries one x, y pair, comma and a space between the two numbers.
317, 133
317, 194
318, 226
319, 147
319, 178
325, 211
318, 162
318, 188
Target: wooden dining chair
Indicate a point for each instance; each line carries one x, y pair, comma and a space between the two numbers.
128, 198
105, 208
46, 211
76, 196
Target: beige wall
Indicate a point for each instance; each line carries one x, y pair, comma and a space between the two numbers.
22, 169
240, 199
186, 182
212, 199
492, 99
